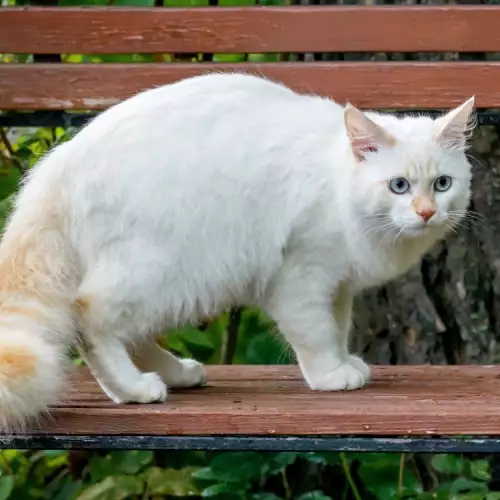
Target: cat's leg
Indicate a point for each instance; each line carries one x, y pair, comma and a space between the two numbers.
102, 346
175, 372
119, 378
301, 304
342, 311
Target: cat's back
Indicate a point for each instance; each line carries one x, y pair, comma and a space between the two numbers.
212, 93
213, 128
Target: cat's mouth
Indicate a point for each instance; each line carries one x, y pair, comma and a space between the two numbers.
416, 230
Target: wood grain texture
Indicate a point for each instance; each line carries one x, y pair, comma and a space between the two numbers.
261, 29
271, 400
368, 85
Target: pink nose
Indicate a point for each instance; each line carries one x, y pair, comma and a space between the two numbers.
426, 214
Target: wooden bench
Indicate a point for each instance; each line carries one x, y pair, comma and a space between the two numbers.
270, 408
264, 408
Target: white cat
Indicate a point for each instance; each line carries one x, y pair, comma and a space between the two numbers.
216, 191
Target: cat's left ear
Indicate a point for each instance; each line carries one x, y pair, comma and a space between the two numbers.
454, 128
364, 134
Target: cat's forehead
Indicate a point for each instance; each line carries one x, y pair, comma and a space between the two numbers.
421, 165
409, 129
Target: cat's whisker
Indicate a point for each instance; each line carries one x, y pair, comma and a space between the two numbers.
458, 224
452, 229
386, 235
468, 220
378, 228
398, 234
475, 162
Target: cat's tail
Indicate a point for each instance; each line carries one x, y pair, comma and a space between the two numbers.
37, 280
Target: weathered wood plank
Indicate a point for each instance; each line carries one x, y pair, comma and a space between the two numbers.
369, 85
262, 29
271, 401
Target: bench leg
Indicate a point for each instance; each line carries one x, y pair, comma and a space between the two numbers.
117, 375
175, 372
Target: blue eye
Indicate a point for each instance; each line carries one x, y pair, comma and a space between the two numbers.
442, 183
399, 185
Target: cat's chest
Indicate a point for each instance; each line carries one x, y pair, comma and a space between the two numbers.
377, 269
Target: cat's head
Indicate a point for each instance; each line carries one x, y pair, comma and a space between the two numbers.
411, 175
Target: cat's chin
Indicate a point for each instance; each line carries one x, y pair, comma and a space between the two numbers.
419, 231
416, 231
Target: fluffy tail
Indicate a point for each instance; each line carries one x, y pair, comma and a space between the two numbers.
36, 284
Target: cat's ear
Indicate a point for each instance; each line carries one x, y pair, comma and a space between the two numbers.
365, 135
454, 128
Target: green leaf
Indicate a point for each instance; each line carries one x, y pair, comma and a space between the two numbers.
272, 2
228, 58
464, 485
261, 58
314, 495
9, 179
267, 349
5, 209
113, 488
236, 3
69, 490
280, 461
119, 462
6, 487
174, 482
322, 457
205, 474
480, 469
76, 3
197, 343
239, 467
381, 478
494, 495
380, 460
223, 488
469, 496
186, 3
449, 464
56, 458
442, 495
265, 496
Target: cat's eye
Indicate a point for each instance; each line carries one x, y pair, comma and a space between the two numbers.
399, 185
442, 183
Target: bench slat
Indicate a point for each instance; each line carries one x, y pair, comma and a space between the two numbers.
251, 29
273, 400
368, 85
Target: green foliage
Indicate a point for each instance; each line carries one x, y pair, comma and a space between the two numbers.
239, 475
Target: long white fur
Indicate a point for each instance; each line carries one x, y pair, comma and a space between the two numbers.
215, 191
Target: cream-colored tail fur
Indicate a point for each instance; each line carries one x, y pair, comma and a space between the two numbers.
36, 325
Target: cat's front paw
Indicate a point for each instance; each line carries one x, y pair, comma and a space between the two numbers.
149, 389
358, 363
193, 374
346, 377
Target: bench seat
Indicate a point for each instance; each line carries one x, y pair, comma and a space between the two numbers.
258, 407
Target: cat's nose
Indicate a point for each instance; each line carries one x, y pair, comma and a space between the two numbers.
426, 214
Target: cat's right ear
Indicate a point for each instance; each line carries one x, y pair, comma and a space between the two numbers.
364, 134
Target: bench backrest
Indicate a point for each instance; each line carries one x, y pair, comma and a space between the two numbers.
161, 32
